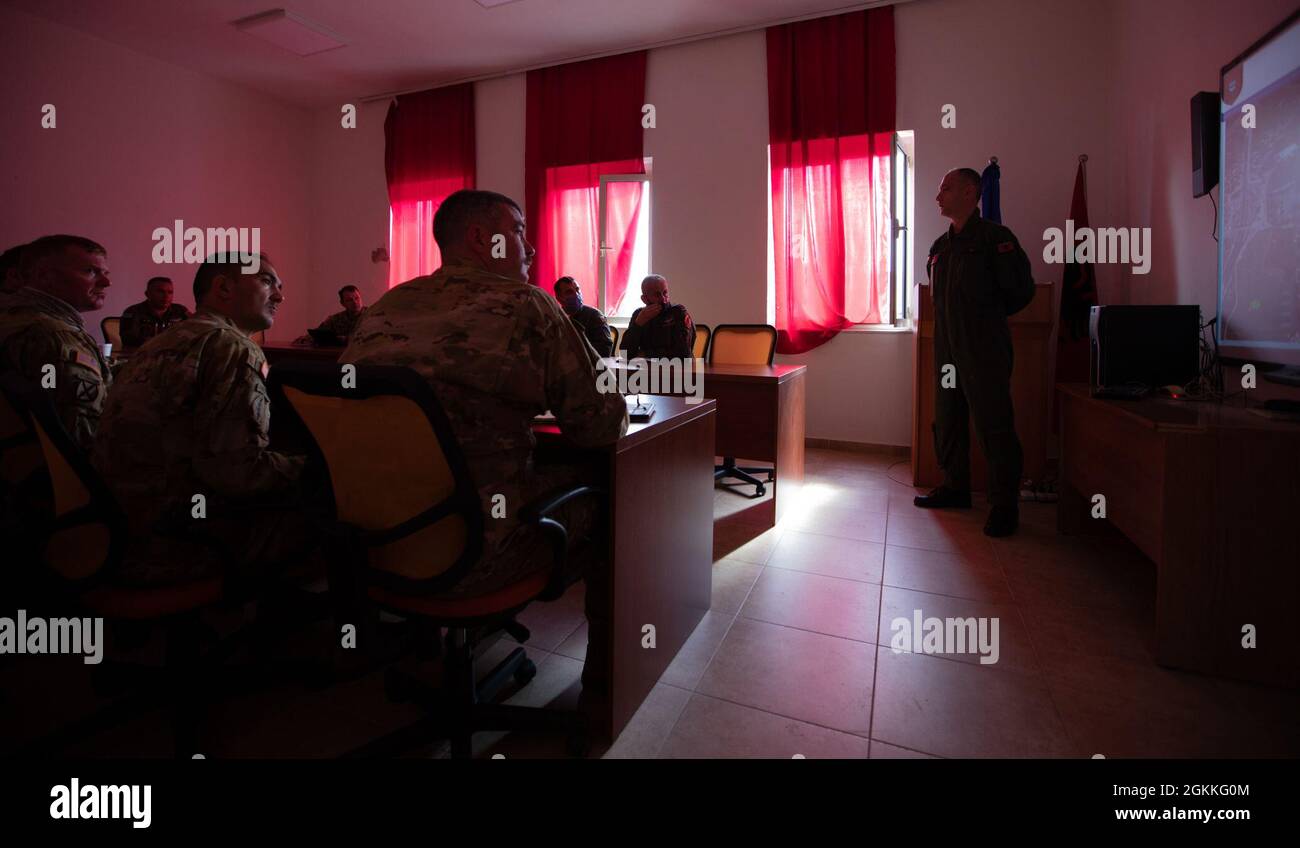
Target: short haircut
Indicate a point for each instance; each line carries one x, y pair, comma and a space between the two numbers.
36, 253
153, 280
556, 287
971, 176
653, 278
348, 288
218, 265
461, 209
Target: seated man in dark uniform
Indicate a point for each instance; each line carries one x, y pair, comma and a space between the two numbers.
661, 328
587, 319
142, 321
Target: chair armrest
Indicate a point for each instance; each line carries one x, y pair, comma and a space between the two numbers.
537, 514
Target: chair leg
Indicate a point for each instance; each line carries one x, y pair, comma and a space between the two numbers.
730, 469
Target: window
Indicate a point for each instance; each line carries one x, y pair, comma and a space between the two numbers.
901, 193
871, 204
598, 231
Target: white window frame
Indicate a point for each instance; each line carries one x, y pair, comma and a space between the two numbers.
602, 250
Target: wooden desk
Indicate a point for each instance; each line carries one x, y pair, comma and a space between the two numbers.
1031, 390
1210, 493
661, 542
281, 351
761, 416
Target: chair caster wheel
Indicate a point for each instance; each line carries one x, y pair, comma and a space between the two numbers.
526, 672
760, 491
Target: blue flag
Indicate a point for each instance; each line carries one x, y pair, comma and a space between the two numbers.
991, 193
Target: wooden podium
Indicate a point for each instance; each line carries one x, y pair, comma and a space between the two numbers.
1031, 391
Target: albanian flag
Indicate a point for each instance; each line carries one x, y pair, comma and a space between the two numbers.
1078, 295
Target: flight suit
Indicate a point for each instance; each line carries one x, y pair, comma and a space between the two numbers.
38, 329
189, 415
595, 328
669, 335
978, 277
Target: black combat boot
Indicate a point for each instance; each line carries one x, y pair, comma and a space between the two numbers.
942, 498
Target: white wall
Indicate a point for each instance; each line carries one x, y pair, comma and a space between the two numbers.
138, 144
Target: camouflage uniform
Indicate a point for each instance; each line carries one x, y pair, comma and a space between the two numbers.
140, 323
342, 323
189, 415
593, 326
38, 329
670, 335
497, 353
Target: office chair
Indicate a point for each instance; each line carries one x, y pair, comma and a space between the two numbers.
67, 567
614, 335
743, 344
701, 349
407, 527
112, 329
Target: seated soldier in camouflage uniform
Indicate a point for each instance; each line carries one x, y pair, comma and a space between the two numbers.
43, 337
189, 415
341, 323
146, 319
497, 352
661, 328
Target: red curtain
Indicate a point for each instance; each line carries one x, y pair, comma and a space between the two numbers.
584, 121
830, 87
428, 155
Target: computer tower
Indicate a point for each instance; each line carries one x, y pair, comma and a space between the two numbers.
1148, 346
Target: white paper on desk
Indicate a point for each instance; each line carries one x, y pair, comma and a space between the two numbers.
546, 417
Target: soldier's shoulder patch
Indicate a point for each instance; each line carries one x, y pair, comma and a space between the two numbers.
83, 359
1006, 247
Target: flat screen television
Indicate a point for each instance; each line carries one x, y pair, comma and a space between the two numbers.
1259, 208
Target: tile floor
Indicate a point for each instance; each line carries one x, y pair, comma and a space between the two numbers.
794, 657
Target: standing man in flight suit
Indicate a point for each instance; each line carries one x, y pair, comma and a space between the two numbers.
979, 275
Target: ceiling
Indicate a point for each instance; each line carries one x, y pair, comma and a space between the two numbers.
399, 45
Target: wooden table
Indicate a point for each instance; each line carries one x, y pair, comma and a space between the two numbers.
283, 351
660, 476
761, 417
1210, 493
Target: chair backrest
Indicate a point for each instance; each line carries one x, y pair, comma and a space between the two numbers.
399, 481
86, 532
742, 344
112, 329
701, 348
614, 335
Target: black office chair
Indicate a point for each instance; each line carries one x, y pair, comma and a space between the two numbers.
67, 567
743, 344
407, 527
